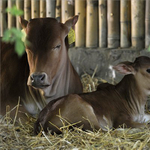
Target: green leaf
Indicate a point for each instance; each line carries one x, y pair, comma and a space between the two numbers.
17, 33
6, 36
14, 35
19, 48
14, 11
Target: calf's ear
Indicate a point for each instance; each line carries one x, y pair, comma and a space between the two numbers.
23, 22
70, 23
125, 68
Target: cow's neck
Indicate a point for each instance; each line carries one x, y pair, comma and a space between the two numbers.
61, 84
130, 92
63, 78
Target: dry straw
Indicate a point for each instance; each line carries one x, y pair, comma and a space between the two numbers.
14, 134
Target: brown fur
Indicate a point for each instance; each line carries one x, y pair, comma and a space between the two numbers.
44, 56
110, 106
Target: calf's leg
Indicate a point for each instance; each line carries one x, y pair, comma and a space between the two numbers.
72, 109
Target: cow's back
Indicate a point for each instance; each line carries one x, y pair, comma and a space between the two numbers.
14, 72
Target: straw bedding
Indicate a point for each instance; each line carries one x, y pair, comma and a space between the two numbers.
21, 136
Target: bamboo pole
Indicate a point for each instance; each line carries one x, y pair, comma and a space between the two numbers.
113, 23
70, 8
42, 8
67, 9
125, 20
50, 8
27, 9
58, 10
92, 23
64, 11
11, 19
3, 17
137, 17
19, 5
102, 23
147, 24
34, 8
80, 10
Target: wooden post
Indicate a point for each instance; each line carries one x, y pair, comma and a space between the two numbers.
42, 8
11, 19
113, 23
138, 15
70, 8
27, 9
80, 10
125, 20
67, 9
58, 10
50, 8
19, 5
3, 17
64, 4
102, 23
147, 24
92, 23
34, 9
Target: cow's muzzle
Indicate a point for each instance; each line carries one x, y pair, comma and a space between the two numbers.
38, 80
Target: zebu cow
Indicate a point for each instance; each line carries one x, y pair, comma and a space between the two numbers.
50, 74
108, 107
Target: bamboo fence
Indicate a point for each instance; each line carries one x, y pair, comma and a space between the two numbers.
80, 10
27, 9
138, 26
102, 23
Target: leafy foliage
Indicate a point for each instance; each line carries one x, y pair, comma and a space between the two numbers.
15, 35
14, 11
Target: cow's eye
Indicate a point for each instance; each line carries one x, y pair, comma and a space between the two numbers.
57, 47
148, 70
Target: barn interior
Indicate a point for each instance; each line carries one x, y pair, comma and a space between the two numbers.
107, 32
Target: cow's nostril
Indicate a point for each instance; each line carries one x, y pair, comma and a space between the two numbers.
32, 78
42, 77
37, 78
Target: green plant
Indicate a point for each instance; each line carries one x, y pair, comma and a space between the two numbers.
15, 35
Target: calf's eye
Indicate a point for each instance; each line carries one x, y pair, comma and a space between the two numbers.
148, 70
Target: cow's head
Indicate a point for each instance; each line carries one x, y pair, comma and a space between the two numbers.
47, 49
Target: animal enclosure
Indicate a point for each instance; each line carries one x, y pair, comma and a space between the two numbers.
102, 23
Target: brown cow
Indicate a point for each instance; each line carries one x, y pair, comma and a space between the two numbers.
51, 72
108, 107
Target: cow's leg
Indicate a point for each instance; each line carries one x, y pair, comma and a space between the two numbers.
133, 124
144, 120
72, 110
126, 120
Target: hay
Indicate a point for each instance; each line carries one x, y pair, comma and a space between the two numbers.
20, 135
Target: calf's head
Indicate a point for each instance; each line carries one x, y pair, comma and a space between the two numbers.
140, 68
47, 49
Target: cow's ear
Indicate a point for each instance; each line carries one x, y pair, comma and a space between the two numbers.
125, 68
23, 22
70, 23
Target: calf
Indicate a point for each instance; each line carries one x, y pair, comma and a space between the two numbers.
108, 107
46, 69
